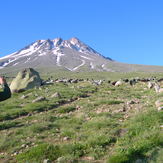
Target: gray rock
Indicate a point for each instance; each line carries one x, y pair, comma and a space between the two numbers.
25, 79
66, 138
38, 99
160, 108
118, 83
150, 85
46, 161
56, 95
23, 97
159, 103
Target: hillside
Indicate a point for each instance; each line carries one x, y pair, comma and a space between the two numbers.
82, 122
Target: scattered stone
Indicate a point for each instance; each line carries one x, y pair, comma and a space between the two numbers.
90, 158
150, 85
23, 97
66, 138
56, 95
160, 108
38, 99
36, 95
46, 161
61, 159
132, 102
40, 88
122, 132
74, 81
118, 83
33, 144
159, 103
22, 105
30, 94
132, 82
27, 146
23, 145
16, 153
157, 88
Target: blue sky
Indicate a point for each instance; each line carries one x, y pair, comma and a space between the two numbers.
129, 31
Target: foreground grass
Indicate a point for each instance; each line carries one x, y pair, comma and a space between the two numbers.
85, 124
143, 137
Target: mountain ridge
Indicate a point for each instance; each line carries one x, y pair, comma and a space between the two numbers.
60, 52
69, 55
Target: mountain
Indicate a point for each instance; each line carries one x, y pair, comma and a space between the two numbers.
70, 55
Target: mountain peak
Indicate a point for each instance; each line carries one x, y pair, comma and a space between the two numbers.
74, 40
57, 41
70, 54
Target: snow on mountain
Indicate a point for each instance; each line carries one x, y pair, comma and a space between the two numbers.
70, 54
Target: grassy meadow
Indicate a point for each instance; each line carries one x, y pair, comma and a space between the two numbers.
84, 123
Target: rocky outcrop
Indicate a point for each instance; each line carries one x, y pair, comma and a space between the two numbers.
25, 79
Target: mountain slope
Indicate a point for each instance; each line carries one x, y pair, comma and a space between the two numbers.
70, 55
67, 54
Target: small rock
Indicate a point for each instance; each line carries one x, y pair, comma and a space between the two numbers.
16, 153
132, 102
89, 158
61, 159
36, 95
38, 99
23, 97
27, 146
160, 108
40, 88
150, 85
56, 95
46, 161
33, 144
23, 145
118, 83
66, 138
29, 94
22, 105
159, 103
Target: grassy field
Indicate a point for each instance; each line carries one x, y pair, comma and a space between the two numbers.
86, 123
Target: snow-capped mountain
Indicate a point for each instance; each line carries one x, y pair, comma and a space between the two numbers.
70, 54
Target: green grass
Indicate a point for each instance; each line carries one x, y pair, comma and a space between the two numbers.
144, 134
83, 125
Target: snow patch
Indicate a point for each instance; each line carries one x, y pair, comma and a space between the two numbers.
8, 56
7, 62
105, 68
27, 60
42, 54
68, 68
15, 64
83, 63
87, 58
92, 66
59, 55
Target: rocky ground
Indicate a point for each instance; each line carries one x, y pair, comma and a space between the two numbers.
83, 121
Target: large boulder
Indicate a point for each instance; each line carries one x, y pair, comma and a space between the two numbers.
25, 79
